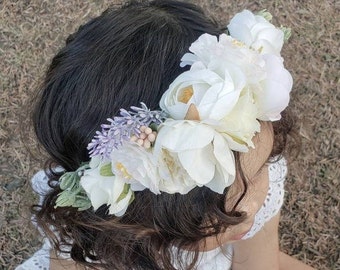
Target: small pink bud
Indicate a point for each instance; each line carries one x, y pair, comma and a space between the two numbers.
148, 131
147, 144
151, 137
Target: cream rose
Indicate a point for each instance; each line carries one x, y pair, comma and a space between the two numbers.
240, 126
213, 95
274, 94
256, 32
224, 54
137, 166
109, 190
221, 82
191, 154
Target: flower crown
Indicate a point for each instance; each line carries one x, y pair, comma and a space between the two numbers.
207, 113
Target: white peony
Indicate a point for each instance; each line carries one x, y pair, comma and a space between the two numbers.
221, 82
273, 97
137, 166
222, 71
256, 32
214, 96
240, 126
109, 190
191, 154
225, 53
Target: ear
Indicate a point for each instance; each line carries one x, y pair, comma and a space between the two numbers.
255, 158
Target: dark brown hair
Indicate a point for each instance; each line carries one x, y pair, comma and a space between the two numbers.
116, 60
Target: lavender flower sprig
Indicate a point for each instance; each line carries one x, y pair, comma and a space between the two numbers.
121, 128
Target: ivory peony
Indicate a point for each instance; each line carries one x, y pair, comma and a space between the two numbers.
191, 154
137, 166
221, 82
273, 97
108, 190
256, 32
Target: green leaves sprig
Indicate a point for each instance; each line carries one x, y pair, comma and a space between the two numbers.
73, 195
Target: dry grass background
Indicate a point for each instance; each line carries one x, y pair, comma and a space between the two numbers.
32, 31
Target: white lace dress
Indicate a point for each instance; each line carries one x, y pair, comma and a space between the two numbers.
217, 259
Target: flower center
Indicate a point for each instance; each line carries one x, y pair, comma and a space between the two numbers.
186, 94
171, 163
123, 170
238, 43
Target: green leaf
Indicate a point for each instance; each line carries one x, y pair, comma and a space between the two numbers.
132, 197
68, 180
106, 170
154, 127
265, 14
72, 194
65, 198
82, 203
287, 33
124, 193
85, 206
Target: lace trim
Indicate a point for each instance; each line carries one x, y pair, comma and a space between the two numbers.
274, 200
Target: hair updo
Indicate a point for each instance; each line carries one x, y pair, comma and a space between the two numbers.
114, 61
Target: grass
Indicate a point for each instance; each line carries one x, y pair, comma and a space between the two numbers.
32, 31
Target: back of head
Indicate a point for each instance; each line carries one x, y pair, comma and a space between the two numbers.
117, 60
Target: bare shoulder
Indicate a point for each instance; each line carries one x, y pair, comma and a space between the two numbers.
259, 252
287, 263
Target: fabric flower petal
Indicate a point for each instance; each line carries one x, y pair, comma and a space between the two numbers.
105, 190
178, 136
255, 31
199, 164
224, 175
137, 166
274, 97
185, 162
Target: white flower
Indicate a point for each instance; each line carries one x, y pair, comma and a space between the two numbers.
213, 95
191, 154
109, 190
221, 82
273, 97
224, 53
137, 166
256, 32
240, 126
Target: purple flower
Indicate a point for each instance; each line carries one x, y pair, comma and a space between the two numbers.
121, 128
